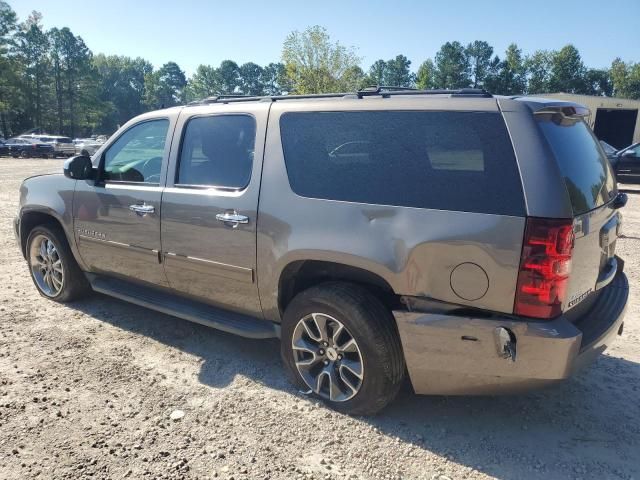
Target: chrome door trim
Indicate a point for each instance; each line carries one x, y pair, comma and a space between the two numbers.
111, 243
205, 266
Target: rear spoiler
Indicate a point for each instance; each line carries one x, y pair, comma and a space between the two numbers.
568, 110
551, 105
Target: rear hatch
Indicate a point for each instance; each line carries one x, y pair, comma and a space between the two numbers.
592, 190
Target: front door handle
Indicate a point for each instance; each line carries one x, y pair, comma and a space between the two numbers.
143, 209
232, 218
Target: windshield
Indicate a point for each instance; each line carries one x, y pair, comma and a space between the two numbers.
586, 171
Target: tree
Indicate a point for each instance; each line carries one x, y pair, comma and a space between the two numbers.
229, 75
452, 66
538, 67
274, 79
398, 73
425, 78
479, 55
250, 77
8, 67
598, 82
204, 83
567, 71
510, 77
625, 79
32, 48
165, 87
377, 73
71, 60
121, 87
315, 64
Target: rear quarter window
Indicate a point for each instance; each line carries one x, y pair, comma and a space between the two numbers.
460, 161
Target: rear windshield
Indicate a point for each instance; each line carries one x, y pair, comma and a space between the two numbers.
64, 140
460, 161
586, 171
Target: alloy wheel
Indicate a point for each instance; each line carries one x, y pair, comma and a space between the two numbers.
46, 266
327, 357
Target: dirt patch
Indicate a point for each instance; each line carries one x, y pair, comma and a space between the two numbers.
87, 390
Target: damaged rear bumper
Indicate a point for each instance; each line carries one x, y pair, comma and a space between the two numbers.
462, 355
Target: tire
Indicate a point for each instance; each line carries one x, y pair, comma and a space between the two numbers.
24, 154
365, 320
74, 284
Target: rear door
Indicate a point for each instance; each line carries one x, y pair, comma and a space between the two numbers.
117, 218
210, 205
591, 187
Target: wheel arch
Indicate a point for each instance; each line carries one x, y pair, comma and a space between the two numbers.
33, 218
300, 275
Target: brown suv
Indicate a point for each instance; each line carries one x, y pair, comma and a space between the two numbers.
466, 239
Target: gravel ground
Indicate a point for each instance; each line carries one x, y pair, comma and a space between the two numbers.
103, 389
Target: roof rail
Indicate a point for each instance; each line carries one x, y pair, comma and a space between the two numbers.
390, 91
383, 91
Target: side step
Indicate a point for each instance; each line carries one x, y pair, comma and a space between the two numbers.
181, 307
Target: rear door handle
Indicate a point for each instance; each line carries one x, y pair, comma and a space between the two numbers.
143, 209
232, 218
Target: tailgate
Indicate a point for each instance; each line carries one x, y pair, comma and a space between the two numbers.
592, 191
593, 264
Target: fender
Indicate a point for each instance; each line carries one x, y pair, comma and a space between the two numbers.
49, 195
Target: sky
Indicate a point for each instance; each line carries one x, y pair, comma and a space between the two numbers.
194, 32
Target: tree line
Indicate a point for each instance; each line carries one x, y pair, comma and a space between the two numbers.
51, 81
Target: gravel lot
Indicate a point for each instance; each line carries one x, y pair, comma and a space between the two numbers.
87, 390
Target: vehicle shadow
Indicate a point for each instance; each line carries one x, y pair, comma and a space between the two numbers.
588, 427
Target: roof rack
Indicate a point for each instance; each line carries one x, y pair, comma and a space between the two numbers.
386, 92
381, 90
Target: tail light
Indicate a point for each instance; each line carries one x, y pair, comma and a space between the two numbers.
545, 266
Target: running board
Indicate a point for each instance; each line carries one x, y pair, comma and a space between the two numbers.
181, 307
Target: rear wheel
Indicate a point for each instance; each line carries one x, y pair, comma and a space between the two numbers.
52, 266
24, 154
339, 343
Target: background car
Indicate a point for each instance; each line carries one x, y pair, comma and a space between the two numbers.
87, 146
4, 149
627, 164
20, 147
62, 146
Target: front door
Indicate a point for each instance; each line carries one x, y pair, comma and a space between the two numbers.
628, 165
209, 208
117, 218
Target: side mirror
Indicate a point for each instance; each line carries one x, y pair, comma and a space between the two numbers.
79, 168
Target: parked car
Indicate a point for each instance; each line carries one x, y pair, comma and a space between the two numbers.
20, 147
466, 239
87, 146
4, 148
627, 164
63, 146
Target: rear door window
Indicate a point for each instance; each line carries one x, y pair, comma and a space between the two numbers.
217, 151
586, 171
460, 161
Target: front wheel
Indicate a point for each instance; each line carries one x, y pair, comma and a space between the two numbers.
53, 268
340, 344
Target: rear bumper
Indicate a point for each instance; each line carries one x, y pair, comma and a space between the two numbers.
460, 355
